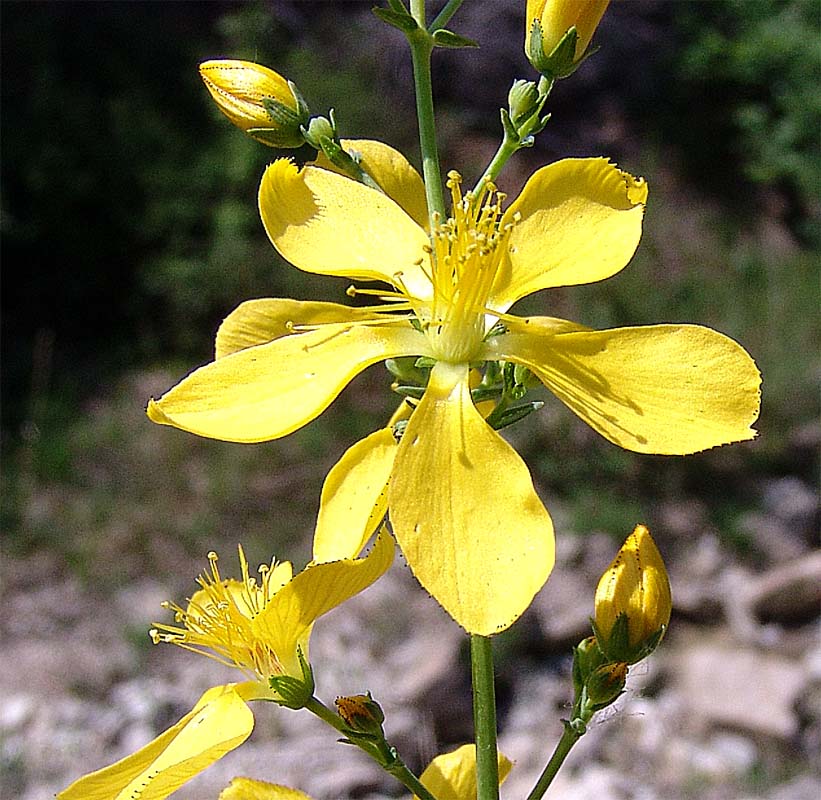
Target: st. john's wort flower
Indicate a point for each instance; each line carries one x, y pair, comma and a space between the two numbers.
461, 501
260, 627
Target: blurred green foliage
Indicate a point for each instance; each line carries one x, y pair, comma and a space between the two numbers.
750, 73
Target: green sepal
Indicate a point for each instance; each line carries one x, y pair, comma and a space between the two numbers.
512, 415
277, 138
617, 646
404, 369
511, 131
401, 20
586, 657
482, 393
294, 692
334, 152
414, 392
425, 362
286, 128
446, 38
560, 62
514, 388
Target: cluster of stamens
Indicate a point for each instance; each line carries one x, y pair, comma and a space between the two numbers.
466, 255
219, 619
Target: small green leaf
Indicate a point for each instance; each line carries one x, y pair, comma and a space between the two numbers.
446, 38
397, 19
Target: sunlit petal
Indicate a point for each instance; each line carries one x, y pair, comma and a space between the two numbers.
355, 494
218, 723
392, 171
265, 319
464, 511
250, 789
329, 224
580, 222
452, 776
268, 391
286, 621
667, 389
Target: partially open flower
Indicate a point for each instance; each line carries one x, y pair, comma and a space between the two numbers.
633, 600
257, 100
259, 626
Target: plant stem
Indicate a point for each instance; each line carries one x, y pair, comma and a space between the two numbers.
506, 149
484, 717
421, 47
451, 7
381, 752
569, 738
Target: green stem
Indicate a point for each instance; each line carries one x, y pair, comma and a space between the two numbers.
421, 47
511, 144
569, 738
381, 752
506, 149
484, 717
451, 7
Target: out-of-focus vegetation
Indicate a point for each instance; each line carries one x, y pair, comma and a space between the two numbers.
130, 229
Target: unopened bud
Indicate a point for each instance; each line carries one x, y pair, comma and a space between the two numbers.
257, 100
605, 684
318, 129
558, 33
523, 101
361, 713
633, 600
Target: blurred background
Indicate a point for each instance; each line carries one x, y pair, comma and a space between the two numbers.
130, 229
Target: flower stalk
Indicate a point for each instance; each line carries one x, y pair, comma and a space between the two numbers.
377, 747
484, 717
421, 47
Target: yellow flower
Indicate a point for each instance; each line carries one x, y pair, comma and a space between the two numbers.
461, 501
257, 100
633, 600
451, 776
260, 627
547, 22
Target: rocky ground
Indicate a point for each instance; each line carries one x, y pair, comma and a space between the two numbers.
728, 709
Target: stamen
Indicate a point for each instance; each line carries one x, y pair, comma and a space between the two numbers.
218, 620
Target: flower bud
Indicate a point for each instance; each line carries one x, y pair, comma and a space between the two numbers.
558, 33
633, 601
523, 101
605, 684
361, 713
257, 100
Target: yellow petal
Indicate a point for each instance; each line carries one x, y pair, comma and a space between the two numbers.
667, 389
392, 171
265, 319
464, 511
557, 16
355, 494
287, 619
580, 223
218, 723
268, 391
249, 789
452, 776
329, 224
